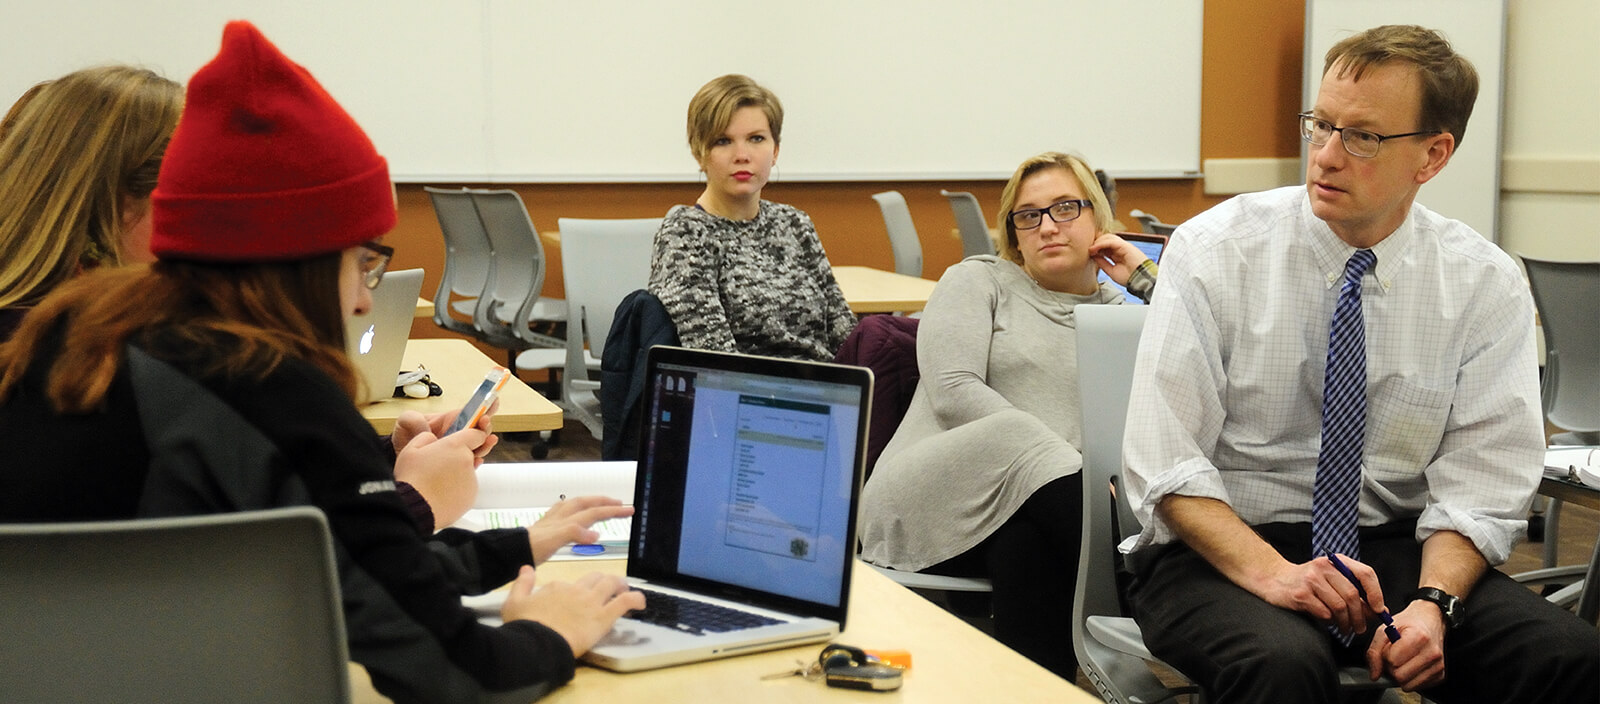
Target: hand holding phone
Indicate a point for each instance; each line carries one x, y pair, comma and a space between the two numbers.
482, 398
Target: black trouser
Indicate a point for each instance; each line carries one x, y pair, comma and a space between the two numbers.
1513, 647
1032, 561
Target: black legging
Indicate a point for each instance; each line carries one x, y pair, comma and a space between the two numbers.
1032, 561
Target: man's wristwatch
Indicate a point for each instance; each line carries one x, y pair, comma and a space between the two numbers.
1449, 605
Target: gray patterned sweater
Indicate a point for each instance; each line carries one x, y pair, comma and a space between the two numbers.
761, 286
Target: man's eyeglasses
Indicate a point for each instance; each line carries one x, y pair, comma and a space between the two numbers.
1360, 143
1065, 211
374, 264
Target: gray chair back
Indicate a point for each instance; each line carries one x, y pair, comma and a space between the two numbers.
238, 607
468, 259
1565, 294
903, 240
515, 290
602, 261
974, 231
1108, 341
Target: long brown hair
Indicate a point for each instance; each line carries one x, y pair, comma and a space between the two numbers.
71, 150
237, 321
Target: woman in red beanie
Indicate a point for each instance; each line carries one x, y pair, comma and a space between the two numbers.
215, 380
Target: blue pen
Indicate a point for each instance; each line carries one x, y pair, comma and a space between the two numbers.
1388, 621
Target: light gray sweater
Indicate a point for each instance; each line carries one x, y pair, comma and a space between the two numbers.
994, 418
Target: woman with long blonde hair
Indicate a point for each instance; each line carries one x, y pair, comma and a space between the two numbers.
78, 161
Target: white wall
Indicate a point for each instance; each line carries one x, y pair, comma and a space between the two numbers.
1550, 187
561, 91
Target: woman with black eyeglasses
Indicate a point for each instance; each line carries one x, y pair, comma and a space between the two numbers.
981, 478
215, 380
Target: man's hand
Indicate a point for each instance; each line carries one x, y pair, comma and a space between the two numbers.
1318, 588
1416, 661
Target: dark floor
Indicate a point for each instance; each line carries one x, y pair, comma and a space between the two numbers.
1579, 525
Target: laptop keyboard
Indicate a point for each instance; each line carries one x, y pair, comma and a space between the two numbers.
692, 616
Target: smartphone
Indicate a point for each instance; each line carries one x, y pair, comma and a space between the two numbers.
482, 398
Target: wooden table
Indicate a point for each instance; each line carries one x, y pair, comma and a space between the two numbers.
870, 290
424, 308
457, 367
952, 661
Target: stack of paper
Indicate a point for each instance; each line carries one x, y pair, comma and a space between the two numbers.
613, 532
514, 495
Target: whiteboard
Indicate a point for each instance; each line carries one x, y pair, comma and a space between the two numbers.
1468, 189
546, 91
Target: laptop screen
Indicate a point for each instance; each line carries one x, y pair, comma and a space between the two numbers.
749, 474
1151, 245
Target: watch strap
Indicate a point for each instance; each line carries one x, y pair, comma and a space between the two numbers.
1449, 604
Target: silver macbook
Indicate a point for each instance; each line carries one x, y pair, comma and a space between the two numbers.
376, 342
745, 497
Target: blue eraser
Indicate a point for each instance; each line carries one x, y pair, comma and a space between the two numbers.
588, 549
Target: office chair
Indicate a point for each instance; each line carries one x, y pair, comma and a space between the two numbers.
888, 346
468, 259
602, 262
1564, 294
515, 307
242, 607
975, 237
1151, 224
903, 240
513, 313
1109, 646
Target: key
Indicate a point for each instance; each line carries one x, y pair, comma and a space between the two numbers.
809, 673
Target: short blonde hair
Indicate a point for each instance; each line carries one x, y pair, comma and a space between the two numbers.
1072, 164
69, 155
712, 108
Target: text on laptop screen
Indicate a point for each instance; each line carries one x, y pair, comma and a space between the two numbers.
766, 495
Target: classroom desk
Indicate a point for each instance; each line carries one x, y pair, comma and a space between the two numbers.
869, 290
457, 367
1582, 495
952, 661
424, 308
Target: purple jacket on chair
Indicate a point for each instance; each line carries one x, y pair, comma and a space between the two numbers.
887, 345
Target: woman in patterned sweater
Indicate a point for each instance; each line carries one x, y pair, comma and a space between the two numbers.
735, 272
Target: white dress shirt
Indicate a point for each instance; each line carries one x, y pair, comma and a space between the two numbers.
1227, 393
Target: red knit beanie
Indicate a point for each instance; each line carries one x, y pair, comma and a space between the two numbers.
264, 165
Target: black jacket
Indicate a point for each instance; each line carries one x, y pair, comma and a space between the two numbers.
167, 443
640, 322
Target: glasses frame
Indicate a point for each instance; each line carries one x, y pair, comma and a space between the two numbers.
1080, 203
375, 276
1307, 133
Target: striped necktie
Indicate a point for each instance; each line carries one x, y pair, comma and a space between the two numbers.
1336, 493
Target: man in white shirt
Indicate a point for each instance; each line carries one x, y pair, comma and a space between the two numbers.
1230, 586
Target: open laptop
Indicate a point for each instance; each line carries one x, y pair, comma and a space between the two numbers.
376, 342
1151, 245
745, 501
